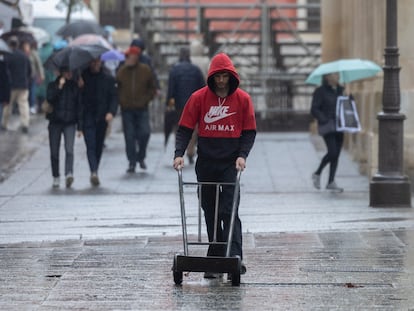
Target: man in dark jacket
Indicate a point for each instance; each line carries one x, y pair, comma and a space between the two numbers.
65, 116
5, 84
20, 73
184, 79
145, 58
99, 101
226, 133
136, 89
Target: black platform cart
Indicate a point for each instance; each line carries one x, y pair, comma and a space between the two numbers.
186, 263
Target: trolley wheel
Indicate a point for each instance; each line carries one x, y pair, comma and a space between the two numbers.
177, 275
235, 277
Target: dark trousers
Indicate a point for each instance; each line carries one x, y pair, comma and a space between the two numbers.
219, 171
56, 130
137, 131
333, 143
94, 134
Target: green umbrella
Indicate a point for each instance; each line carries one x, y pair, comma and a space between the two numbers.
349, 70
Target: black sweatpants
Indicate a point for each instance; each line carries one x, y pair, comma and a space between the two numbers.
219, 171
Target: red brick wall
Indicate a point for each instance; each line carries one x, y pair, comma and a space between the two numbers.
233, 13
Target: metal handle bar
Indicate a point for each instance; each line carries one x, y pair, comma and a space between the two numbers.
236, 185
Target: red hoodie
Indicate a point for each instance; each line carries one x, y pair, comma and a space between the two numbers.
227, 126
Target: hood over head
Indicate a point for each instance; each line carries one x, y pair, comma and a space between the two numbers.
222, 63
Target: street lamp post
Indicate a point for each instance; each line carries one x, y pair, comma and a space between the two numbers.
389, 187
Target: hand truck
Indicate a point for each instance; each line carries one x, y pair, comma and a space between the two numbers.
213, 264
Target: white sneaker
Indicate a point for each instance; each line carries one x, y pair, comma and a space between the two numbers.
56, 182
334, 187
316, 180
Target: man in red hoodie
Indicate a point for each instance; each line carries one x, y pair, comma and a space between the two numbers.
226, 133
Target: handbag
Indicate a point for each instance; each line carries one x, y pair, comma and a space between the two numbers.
347, 119
46, 107
327, 127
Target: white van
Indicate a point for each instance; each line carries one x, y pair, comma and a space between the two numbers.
51, 15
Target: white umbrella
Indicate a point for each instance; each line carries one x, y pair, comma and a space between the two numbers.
4, 47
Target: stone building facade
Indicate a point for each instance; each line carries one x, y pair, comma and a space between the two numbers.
357, 29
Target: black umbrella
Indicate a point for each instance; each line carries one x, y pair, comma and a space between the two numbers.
78, 28
74, 57
171, 118
4, 48
22, 36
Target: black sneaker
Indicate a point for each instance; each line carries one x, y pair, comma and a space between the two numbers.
131, 169
69, 180
94, 179
142, 165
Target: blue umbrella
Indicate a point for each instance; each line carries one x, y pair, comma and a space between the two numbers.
349, 70
113, 55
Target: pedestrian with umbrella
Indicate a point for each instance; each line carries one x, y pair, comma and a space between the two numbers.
65, 117
100, 103
324, 109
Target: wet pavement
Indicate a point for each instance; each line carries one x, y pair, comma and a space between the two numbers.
112, 247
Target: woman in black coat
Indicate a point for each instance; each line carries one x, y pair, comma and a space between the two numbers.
65, 116
324, 110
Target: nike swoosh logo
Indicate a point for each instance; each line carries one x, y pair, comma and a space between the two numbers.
208, 119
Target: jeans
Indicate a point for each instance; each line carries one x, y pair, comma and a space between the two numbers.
55, 133
1, 110
137, 131
94, 134
219, 171
32, 94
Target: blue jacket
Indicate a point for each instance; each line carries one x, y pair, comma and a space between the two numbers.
20, 70
183, 80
